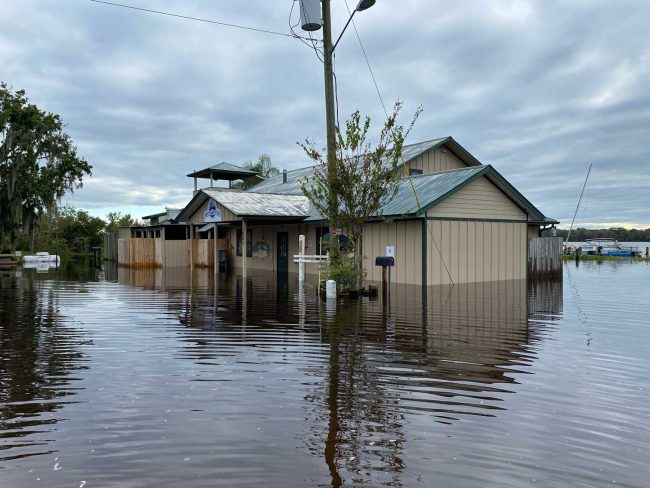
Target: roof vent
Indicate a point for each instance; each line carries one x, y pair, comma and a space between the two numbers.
284, 176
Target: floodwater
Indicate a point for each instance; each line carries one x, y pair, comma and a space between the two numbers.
162, 379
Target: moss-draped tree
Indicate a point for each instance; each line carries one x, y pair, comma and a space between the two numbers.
38, 164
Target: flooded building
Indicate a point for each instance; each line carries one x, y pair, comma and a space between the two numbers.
454, 219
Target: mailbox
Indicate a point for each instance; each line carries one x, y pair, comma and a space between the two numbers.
385, 261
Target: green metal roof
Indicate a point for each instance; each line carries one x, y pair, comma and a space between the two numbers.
432, 188
429, 188
275, 184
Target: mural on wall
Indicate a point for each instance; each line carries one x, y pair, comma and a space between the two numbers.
213, 213
260, 249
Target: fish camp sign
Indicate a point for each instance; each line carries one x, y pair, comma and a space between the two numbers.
213, 213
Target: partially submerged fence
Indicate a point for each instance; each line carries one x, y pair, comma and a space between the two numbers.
110, 247
544, 256
158, 252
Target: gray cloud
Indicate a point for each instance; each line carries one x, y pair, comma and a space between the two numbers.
539, 89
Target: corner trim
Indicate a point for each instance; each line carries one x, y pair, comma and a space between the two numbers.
424, 253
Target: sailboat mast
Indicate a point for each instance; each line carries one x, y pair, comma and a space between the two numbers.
578, 206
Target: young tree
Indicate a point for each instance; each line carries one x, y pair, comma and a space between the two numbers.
38, 164
263, 167
367, 177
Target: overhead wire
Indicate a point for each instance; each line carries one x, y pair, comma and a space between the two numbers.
405, 166
313, 43
199, 19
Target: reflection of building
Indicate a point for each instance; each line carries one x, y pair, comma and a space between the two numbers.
369, 370
455, 218
41, 357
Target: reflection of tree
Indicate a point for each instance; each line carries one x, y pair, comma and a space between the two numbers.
454, 361
362, 422
39, 356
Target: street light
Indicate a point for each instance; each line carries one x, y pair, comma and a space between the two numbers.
309, 12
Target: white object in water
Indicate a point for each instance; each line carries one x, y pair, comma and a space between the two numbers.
42, 257
330, 289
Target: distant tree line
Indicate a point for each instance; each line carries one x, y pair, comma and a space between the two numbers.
65, 230
619, 233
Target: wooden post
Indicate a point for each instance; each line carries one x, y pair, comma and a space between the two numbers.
163, 247
301, 264
244, 251
647, 252
191, 231
216, 248
384, 284
578, 254
211, 181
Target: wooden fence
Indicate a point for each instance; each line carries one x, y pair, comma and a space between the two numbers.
544, 256
157, 252
110, 247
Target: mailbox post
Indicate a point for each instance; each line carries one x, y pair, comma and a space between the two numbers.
386, 263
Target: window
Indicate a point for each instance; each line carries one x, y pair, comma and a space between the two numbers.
249, 242
415, 171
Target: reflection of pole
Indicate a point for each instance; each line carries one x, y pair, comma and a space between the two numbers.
333, 426
302, 306
244, 300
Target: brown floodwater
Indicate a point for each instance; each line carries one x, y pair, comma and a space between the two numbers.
167, 379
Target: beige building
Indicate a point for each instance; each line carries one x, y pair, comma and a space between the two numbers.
456, 220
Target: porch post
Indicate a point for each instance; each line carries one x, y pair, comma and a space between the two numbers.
191, 246
215, 247
244, 251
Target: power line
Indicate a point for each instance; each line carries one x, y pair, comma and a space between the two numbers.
199, 19
406, 170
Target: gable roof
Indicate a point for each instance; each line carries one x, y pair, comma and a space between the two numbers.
242, 204
275, 183
433, 188
275, 198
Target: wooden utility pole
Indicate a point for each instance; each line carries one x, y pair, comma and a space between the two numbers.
330, 121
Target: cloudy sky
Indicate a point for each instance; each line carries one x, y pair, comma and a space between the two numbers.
539, 89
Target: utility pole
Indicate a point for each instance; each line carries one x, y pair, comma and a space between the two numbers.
330, 121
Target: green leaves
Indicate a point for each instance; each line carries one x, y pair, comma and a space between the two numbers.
366, 176
38, 164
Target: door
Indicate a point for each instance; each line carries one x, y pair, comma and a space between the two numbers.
283, 252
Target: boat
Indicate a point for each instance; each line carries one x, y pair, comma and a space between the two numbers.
42, 257
606, 246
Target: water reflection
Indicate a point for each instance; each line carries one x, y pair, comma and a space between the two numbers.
41, 360
192, 379
455, 358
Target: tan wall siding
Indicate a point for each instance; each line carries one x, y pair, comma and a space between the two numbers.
438, 159
268, 234
226, 215
479, 199
406, 236
475, 251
